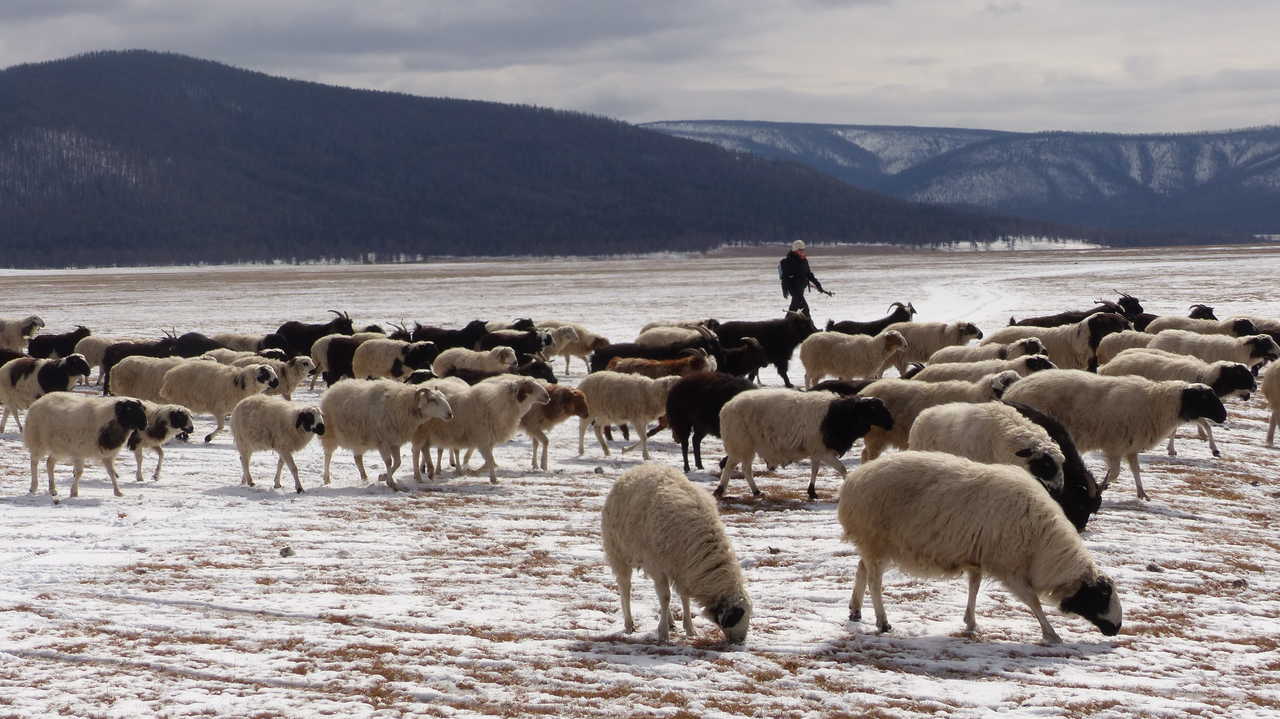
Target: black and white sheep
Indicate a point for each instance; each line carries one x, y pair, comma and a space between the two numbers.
57, 346
70, 426
925, 338
657, 521
931, 514
290, 372
849, 356
525, 343
26, 379
299, 336
15, 332
616, 398
974, 371
693, 407
335, 354
989, 351
1254, 351
164, 422
377, 414
393, 359
1081, 497
906, 399
993, 433
1071, 346
898, 312
213, 388
779, 337
261, 423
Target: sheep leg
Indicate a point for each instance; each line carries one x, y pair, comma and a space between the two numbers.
75, 477
729, 464
328, 457
279, 470
1113, 471
246, 478
746, 472
859, 589
623, 575
487, 453
535, 438
781, 366
600, 438
813, 478
975, 582
35, 473
1172, 452
663, 586
17, 417
582, 435
4, 417
48, 468
688, 616
1271, 427
359, 459
221, 425
872, 446
1137, 476
110, 465
875, 577
293, 468
155, 476
137, 462
697, 450
546, 447
1207, 430
1023, 591
642, 443
391, 462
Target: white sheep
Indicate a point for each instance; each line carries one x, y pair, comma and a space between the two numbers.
616, 398
392, 359
66, 425
1070, 346
783, 426
164, 422
562, 338
931, 514
141, 377
224, 355
498, 359
656, 520
664, 336
925, 338
974, 371
25, 379
993, 350
15, 332
585, 343
990, 432
1225, 378
907, 398
377, 414
685, 324
290, 372
1117, 342
849, 356
1233, 326
1121, 416
212, 388
261, 423
1254, 350
241, 341
452, 388
1271, 390
485, 416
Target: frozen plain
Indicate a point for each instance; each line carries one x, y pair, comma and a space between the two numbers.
467, 599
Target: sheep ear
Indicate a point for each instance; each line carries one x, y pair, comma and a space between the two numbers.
1024, 452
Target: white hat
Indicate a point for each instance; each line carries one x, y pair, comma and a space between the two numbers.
797, 245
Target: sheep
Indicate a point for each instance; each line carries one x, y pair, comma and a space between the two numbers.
660, 336
1271, 390
290, 372
601, 358
657, 521
561, 339
990, 432
1121, 416
994, 350
1253, 351
1069, 346
26, 379
448, 339
745, 359
1266, 326
164, 422
1117, 342
931, 513
1128, 307
194, 344
260, 422
298, 336
925, 338
562, 403
654, 369
1234, 326
693, 407
94, 348
498, 359
906, 399
583, 345
486, 415
1225, 378
849, 356
710, 324
379, 414
7, 355
1080, 497
57, 346
334, 354
534, 368
525, 343
391, 358
163, 347
212, 388
14, 333
522, 324
974, 371
251, 342
783, 426
779, 337
898, 313
141, 377
65, 425
616, 398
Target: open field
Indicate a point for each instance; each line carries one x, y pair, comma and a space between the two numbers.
469, 599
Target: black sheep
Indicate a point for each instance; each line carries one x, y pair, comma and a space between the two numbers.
55, 346
779, 337
842, 387
1128, 307
194, 344
523, 342
448, 339
1100, 325
898, 313
747, 358
693, 406
164, 347
299, 336
1080, 497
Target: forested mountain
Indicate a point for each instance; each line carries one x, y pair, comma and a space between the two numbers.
1220, 182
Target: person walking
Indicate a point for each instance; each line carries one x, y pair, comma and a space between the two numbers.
793, 271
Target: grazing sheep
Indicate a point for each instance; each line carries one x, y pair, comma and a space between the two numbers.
616, 398
448, 339
657, 521
1253, 351
497, 359
393, 359
925, 338
534, 368
212, 388
141, 377
1070, 346
581, 346
290, 372
907, 398
654, 369
1225, 378
990, 432
693, 407
745, 359
930, 514
1127, 306
65, 425
1234, 326
1117, 342
26, 379
563, 403
484, 416
114, 353
379, 414
56, 346
1080, 497
977, 353
849, 356
298, 336
898, 313
974, 371
14, 333
1121, 416
251, 342
783, 426
261, 423
779, 338
164, 422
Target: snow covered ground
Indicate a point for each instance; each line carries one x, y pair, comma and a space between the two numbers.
470, 599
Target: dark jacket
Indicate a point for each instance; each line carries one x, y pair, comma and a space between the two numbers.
794, 273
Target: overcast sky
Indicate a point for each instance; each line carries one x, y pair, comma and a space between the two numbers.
1106, 65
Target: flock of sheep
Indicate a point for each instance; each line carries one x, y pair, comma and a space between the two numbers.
990, 480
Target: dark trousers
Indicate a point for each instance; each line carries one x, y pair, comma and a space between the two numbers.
797, 301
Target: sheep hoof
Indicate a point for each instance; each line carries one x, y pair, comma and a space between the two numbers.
813, 496
884, 628
855, 615
757, 493
1216, 453
208, 438
118, 493
717, 492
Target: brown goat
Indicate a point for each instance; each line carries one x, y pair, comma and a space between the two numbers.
654, 369
565, 402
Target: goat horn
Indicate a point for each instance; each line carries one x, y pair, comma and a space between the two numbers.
336, 312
